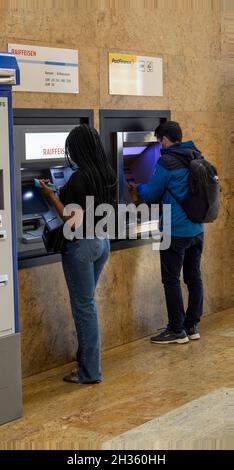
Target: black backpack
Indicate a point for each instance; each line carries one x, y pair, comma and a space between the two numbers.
202, 203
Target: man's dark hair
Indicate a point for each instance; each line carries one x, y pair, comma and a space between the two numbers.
169, 129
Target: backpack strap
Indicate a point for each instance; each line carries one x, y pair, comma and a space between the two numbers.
184, 160
186, 163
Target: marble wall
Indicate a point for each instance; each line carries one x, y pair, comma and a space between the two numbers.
194, 39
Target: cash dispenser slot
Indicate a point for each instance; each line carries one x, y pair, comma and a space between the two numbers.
7, 76
3, 280
34, 205
3, 234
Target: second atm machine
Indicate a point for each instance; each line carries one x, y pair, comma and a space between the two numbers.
39, 153
136, 156
129, 140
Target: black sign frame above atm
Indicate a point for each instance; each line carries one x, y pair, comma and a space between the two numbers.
25, 116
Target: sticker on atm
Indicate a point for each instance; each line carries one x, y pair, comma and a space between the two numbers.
45, 145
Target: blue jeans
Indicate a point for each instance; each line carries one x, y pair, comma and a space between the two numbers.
183, 253
83, 261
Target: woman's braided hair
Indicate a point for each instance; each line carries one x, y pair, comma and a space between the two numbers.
84, 148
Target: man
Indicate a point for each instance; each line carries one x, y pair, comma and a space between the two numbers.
171, 177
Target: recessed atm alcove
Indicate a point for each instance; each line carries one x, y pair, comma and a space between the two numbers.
129, 140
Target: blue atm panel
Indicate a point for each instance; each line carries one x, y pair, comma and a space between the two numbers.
10, 364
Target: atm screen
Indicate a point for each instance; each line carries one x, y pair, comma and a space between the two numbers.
32, 201
45, 145
138, 166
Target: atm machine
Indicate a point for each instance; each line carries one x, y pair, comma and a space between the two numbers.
10, 365
136, 156
39, 154
39, 140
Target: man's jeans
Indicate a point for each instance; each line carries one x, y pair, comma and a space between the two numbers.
186, 253
83, 261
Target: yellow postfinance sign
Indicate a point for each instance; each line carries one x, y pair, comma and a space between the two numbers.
123, 59
135, 75
122, 74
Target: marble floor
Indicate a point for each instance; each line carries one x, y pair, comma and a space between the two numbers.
205, 423
167, 390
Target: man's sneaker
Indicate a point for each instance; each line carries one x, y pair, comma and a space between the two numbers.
168, 336
193, 332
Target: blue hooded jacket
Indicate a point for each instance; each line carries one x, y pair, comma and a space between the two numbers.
171, 173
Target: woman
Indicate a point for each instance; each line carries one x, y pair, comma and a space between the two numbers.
83, 259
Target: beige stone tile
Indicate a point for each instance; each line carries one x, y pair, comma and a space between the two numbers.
53, 27
227, 136
227, 32
146, 29
225, 219
217, 268
32, 100
194, 84
146, 304
125, 313
112, 301
3, 30
205, 129
228, 87
47, 330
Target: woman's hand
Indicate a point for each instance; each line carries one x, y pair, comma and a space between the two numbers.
47, 192
132, 186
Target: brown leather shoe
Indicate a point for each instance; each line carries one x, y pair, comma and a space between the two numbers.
72, 377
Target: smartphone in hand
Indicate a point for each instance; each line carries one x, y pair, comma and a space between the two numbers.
49, 185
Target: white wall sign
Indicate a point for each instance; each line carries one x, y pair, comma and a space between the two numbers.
46, 69
135, 75
44, 145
